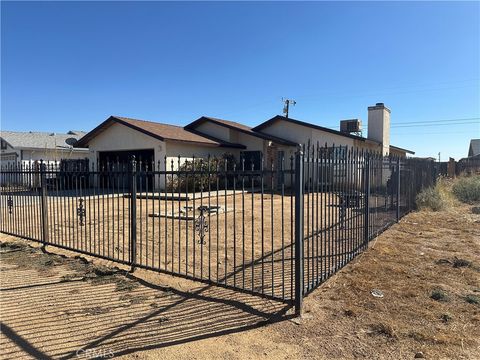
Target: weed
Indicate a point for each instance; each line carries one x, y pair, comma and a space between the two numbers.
457, 263
439, 295
472, 299
431, 198
384, 329
446, 318
467, 189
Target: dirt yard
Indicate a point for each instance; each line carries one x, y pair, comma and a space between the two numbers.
427, 267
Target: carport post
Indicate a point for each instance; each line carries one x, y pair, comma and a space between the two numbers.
43, 204
298, 231
133, 214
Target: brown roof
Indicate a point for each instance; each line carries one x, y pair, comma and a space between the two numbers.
159, 131
240, 127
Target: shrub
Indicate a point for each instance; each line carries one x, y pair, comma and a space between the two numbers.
431, 198
439, 295
472, 299
202, 174
467, 189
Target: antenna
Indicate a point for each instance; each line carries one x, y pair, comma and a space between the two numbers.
286, 107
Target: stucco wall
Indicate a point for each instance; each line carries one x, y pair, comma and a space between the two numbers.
120, 137
302, 134
220, 132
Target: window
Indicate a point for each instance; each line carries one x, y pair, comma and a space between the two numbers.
3, 144
252, 158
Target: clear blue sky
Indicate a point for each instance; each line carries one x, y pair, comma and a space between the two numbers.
69, 65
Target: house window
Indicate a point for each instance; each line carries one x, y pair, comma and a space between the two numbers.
252, 157
3, 144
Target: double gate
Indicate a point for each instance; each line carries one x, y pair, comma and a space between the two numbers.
275, 232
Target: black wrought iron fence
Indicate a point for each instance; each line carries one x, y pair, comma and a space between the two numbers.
275, 232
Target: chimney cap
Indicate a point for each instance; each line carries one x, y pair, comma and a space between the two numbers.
379, 106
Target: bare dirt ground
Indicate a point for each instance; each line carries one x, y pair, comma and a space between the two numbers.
427, 267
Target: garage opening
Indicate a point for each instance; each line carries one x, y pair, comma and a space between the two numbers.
144, 160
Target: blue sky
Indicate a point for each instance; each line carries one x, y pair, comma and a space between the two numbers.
69, 65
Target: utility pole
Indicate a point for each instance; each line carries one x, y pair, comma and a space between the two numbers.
287, 105
439, 156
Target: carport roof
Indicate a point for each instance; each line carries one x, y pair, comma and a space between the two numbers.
163, 132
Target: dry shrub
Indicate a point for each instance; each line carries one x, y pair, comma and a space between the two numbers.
467, 189
431, 198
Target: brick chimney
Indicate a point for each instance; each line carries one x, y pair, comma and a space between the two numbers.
379, 125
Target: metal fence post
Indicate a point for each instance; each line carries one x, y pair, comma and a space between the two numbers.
398, 190
43, 204
133, 214
367, 201
298, 231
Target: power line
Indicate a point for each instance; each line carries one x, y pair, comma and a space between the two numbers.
424, 125
442, 122
437, 121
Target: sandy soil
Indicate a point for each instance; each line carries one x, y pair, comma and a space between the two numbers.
51, 306
249, 246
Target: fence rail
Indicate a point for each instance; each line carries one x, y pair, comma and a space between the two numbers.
274, 232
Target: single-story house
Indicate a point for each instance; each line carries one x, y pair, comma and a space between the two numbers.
274, 148
27, 147
274, 141
302, 132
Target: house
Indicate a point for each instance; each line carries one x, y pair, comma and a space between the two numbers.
268, 145
474, 148
274, 148
28, 147
120, 138
302, 132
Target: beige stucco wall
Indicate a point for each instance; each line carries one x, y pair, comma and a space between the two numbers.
302, 134
220, 132
119, 137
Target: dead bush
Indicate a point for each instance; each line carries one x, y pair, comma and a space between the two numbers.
467, 189
431, 198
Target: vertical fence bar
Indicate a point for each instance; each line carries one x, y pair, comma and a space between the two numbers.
133, 214
366, 225
298, 231
43, 193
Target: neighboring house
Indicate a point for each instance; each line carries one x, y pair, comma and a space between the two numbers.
27, 147
474, 148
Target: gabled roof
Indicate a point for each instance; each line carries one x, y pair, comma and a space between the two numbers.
239, 127
163, 132
269, 122
306, 124
40, 140
474, 148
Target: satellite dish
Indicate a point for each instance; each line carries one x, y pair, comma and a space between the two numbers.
71, 141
